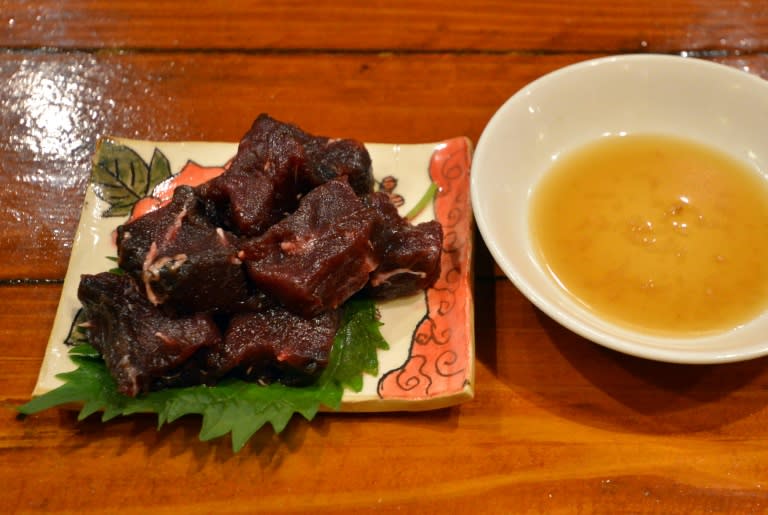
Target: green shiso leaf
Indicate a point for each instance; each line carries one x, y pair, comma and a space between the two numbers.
355, 346
233, 406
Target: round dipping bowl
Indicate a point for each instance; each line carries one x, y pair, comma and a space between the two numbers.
716, 105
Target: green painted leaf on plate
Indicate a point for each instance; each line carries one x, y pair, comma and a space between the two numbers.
77, 333
121, 177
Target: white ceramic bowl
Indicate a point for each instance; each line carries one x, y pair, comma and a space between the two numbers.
714, 104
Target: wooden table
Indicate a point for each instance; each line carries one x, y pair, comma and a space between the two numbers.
558, 424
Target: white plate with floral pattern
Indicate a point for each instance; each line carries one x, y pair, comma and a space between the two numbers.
430, 360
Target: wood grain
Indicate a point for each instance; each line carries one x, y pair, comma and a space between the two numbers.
45, 162
56, 106
405, 25
26, 318
558, 425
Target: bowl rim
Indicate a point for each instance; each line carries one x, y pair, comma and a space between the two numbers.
658, 353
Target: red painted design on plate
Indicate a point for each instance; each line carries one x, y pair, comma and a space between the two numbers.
439, 358
192, 174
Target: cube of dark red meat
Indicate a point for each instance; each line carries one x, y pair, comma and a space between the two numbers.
276, 345
143, 348
180, 259
319, 256
275, 164
243, 202
329, 158
260, 185
408, 255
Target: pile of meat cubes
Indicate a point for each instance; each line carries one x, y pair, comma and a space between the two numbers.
246, 275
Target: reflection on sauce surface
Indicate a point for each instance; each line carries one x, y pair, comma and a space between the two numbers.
656, 233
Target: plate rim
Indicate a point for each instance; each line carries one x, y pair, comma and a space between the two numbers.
352, 401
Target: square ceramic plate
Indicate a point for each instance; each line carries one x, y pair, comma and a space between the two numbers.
430, 362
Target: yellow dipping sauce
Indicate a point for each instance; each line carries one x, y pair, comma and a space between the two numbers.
656, 233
